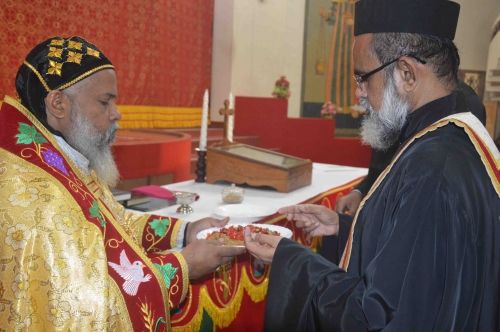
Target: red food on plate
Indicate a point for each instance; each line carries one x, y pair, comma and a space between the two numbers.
233, 235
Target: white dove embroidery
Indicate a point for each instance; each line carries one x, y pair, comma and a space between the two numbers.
132, 273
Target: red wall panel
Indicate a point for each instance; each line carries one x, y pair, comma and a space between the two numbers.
308, 138
161, 48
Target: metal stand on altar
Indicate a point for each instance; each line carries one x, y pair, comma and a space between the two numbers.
201, 166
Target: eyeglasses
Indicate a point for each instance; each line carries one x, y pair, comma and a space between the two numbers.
361, 78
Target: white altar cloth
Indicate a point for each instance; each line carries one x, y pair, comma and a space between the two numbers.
324, 178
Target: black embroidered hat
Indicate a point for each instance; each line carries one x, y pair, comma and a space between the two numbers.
56, 64
430, 17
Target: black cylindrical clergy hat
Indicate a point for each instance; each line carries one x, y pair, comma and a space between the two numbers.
430, 17
56, 64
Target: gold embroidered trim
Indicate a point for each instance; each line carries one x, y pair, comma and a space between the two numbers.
54, 68
65, 85
480, 151
55, 52
94, 53
224, 316
82, 76
57, 42
75, 45
122, 307
74, 57
185, 274
40, 77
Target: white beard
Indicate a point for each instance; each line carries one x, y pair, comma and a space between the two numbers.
380, 129
95, 146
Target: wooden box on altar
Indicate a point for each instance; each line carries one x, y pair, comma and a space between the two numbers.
245, 164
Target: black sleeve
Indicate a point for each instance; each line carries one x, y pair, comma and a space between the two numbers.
332, 247
430, 248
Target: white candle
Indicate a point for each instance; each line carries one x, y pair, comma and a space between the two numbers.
230, 120
204, 123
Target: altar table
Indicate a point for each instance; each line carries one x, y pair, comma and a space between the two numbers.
233, 298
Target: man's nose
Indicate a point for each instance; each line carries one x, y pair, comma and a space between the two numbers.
360, 91
115, 115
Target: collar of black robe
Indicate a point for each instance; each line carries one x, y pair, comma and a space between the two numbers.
432, 112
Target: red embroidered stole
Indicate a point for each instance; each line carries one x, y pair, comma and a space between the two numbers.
24, 136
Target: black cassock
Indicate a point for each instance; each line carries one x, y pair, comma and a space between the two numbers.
425, 252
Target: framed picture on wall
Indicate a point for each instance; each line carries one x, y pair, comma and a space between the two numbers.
328, 67
475, 79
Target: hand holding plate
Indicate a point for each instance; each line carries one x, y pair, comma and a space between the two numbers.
194, 228
261, 246
203, 257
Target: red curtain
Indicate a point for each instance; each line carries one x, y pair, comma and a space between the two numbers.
162, 49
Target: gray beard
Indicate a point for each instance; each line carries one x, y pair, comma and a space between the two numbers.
380, 129
95, 146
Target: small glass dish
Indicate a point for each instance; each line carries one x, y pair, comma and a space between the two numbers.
232, 195
184, 199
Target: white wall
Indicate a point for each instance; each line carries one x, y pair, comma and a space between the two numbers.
256, 41
474, 31
222, 55
494, 51
266, 42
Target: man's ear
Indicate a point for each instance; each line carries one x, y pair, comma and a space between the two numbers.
57, 105
406, 69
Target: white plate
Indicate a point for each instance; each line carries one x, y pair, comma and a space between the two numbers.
243, 213
283, 231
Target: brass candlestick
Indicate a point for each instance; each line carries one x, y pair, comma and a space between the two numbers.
201, 165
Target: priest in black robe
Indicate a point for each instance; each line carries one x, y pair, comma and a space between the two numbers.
349, 203
423, 250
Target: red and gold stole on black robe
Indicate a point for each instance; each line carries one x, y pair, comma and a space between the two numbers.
479, 137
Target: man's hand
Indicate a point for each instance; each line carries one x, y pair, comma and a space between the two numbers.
194, 227
316, 220
203, 256
262, 246
349, 203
